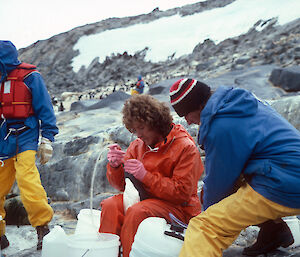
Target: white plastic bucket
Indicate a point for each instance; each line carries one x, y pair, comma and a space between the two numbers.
103, 244
150, 240
88, 221
55, 243
294, 225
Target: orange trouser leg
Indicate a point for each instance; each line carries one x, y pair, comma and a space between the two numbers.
112, 215
129, 223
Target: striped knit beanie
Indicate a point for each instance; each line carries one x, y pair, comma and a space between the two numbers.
187, 95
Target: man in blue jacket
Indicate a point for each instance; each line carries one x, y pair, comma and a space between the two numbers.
25, 113
243, 137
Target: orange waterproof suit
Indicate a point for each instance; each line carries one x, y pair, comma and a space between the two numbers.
173, 169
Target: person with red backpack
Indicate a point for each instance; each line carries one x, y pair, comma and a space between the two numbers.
26, 112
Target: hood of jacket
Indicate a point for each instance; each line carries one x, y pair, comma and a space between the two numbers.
8, 58
226, 102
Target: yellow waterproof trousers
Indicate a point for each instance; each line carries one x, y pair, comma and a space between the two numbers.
215, 229
134, 92
33, 196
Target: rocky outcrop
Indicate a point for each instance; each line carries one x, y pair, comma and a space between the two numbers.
286, 78
265, 43
54, 56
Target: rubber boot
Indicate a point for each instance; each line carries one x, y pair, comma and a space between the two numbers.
4, 242
271, 236
41, 232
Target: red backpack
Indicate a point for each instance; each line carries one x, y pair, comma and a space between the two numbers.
15, 96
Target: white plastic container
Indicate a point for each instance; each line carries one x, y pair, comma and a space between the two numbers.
103, 244
294, 225
55, 243
150, 240
58, 244
88, 222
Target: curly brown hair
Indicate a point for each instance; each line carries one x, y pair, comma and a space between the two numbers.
148, 110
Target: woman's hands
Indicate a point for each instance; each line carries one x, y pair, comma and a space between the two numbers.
115, 155
136, 168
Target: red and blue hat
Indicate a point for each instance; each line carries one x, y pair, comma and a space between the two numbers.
187, 95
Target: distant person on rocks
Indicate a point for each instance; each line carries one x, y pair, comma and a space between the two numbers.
243, 138
26, 111
164, 159
139, 86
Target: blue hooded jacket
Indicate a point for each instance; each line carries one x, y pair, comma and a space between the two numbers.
243, 135
44, 118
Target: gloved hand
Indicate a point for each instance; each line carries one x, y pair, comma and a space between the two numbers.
136, 168
45, 150
115, 155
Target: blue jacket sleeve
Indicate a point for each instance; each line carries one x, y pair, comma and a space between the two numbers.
42, 105
227, 151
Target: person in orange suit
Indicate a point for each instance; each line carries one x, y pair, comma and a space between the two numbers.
164, 158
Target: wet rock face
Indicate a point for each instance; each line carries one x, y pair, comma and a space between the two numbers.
79, 146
